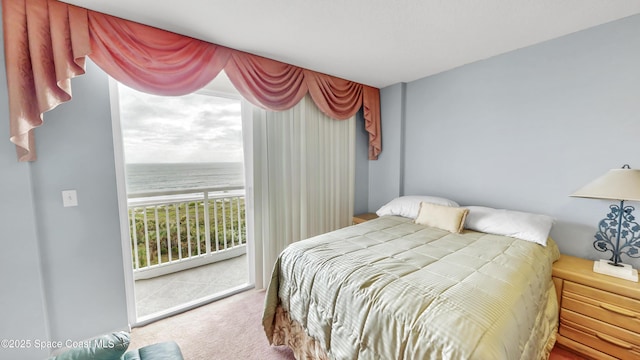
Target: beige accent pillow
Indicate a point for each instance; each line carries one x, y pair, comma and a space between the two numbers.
442, 217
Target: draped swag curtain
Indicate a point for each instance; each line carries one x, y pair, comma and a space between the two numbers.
46, 42
303, 178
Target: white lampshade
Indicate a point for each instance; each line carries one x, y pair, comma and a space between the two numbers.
617, 184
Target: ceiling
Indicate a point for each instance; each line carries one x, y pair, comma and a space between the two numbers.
375, 42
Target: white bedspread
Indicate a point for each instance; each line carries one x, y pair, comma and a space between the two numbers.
392, 289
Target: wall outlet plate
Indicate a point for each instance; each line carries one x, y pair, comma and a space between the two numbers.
69, 198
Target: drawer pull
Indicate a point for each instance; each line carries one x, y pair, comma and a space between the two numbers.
614, 341
618, 310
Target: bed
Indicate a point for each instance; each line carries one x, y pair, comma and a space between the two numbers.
391, 288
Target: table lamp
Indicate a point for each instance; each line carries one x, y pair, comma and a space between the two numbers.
618, 232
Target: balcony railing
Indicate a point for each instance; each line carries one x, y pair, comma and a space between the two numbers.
176, 230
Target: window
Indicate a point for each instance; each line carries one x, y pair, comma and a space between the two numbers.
185, 195
197, 129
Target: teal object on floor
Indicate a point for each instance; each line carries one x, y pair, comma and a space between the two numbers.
160, 351
114, 347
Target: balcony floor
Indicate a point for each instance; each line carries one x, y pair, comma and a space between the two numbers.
172, 290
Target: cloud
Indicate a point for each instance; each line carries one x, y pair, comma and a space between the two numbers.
190, 128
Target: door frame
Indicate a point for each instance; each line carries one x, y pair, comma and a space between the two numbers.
123, 211
118, 150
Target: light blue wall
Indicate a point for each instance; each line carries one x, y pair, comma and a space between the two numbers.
361, 201
525, 129
61, 268
386, 173
22, 301
81, 246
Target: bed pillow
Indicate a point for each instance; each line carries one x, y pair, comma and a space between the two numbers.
447, 218
517, 224
408, 206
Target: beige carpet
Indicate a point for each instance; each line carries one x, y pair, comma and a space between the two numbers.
231, 329
227, 329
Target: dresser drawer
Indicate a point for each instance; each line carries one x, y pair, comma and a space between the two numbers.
599, 314
601, 305
598, 327
599, 341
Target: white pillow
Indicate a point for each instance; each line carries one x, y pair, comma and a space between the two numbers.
408, 206
517, 224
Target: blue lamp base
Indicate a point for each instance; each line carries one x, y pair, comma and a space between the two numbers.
619, 233
622, 271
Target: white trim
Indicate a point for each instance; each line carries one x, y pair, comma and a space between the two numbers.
253, 249
190, 263
148, 319
218, 93
120, 168
118, 153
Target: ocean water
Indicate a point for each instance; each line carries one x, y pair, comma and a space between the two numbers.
164, 177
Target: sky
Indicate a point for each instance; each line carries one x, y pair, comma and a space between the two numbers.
191, 128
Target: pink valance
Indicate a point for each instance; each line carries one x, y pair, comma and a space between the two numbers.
266, 83
41, 56
151, 60
46, 42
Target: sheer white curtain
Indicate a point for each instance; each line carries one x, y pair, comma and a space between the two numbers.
300, 178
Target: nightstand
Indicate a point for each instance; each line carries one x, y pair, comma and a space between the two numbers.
360, 218
599, 314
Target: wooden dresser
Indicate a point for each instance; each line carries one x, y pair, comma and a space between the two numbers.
360, 218
599, 314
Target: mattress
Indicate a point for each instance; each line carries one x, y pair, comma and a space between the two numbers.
392, 289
